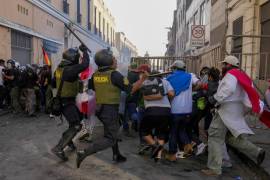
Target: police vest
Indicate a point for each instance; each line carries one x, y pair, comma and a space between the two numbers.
69, 89
106, 92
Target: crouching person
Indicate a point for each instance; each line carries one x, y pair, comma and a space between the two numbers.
156, 93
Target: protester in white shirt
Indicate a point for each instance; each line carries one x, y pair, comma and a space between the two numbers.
229, 123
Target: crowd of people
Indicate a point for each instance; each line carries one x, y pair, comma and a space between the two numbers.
24, 89
176, 114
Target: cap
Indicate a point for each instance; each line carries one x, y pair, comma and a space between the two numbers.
179, 64
232, 60
144, 67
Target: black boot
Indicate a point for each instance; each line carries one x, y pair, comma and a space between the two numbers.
59, 153
117, 157
71, 146
261, 157
66, 139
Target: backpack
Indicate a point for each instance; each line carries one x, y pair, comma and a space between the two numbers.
153, 89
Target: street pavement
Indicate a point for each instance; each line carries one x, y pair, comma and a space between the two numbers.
25, 155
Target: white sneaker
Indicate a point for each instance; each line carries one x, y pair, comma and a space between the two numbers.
180, 155
52, 116
226, 164
200, 149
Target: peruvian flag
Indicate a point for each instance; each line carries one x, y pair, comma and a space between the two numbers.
247, 84
266, 113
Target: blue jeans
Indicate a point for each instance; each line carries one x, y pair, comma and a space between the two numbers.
131, 114
178, 132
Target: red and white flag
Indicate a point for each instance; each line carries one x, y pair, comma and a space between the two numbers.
254, 97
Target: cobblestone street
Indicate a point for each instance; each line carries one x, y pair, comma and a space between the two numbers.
25, 155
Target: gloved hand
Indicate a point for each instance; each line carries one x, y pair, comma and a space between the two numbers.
83, 48
212, 100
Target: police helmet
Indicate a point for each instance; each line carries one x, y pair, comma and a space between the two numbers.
17, 64
72, 55
12, 62
104, 58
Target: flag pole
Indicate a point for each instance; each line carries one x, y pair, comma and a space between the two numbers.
77, 37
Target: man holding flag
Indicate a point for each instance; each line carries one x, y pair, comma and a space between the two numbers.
236, 94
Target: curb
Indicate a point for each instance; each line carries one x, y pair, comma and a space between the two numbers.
260, 171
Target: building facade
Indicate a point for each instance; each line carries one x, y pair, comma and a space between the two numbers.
126, 48
250, 18
237, 27
197, 13
28, 25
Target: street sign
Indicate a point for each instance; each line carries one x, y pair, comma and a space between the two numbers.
197, 35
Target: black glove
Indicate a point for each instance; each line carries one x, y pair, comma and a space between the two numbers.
83, 48
212, 100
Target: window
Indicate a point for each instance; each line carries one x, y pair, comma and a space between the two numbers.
108, 33
196, 18
99, 23
202, 14
22, 10
103, 29
89, 14
237, 30
79, 16
187, 32
265, 46
95, 20
65, 7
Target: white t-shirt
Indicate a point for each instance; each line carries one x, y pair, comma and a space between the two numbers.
1, 76
182, 104
164, 102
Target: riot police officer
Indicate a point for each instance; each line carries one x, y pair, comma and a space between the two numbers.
108, 84
68, 71
11, 78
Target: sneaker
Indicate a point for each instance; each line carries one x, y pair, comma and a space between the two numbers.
188, 149
156, 150
60, 154
261, 157
200, 149
118, 158
84, 136
209, 172
171, 157
180, 155
226, 164
80, 157
52, 116
143, 149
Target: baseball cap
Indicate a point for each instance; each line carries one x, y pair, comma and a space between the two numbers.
232, 60
144, 67
179, 64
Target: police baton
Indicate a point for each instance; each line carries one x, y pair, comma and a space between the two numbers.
77, 37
